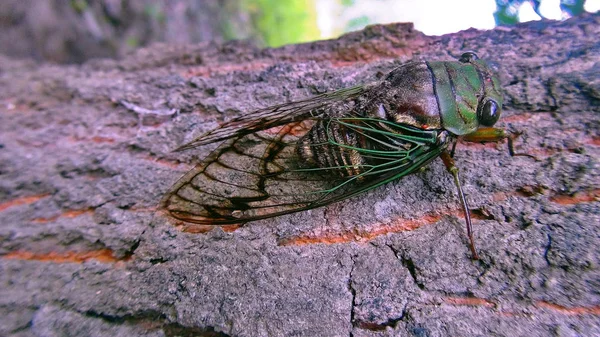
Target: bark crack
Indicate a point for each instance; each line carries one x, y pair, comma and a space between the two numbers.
547, 249
353, 292
409, 264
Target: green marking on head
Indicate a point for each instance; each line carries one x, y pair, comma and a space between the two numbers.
468, 94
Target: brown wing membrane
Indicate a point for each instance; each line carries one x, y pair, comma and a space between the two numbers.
273, 116
243, 179
260, 174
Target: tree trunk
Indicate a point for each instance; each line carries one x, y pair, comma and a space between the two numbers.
86, 155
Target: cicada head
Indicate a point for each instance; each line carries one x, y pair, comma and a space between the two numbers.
468, 92
489, 107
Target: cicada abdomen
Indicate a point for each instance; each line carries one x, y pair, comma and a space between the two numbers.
335, 147
362, 147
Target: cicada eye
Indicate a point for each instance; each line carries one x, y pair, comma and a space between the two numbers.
468, 57
489, 113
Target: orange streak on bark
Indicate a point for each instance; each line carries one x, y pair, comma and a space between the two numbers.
397, 226
587, 196
571, 311
78, 212
470, 301
102, 255
22, 201
341, 64
94, 139
66, 214
594, 141
577, 198
199, 229
99, 139
174, 164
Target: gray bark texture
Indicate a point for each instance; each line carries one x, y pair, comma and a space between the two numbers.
86, 155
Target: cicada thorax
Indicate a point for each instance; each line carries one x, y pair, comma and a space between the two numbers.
407, 96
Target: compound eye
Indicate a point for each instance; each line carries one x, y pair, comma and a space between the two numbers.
489, 113
468, 57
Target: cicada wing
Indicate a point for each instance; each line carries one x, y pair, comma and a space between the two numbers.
262, 175
275, 116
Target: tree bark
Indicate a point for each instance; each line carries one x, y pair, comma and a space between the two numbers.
85, 157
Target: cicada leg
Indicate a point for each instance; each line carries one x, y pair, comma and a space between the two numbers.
453, 148
487, 135
451, 167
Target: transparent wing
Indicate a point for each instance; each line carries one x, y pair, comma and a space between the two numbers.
274, 116
262, 174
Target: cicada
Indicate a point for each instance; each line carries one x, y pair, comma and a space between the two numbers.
310, 153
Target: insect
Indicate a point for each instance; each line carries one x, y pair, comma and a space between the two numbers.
310, 153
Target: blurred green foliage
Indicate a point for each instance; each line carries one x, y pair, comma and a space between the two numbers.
282, 22
155, 12
79, 5
507, 10
357, 23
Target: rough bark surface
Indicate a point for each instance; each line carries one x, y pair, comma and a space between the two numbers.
61, 31
85, 156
